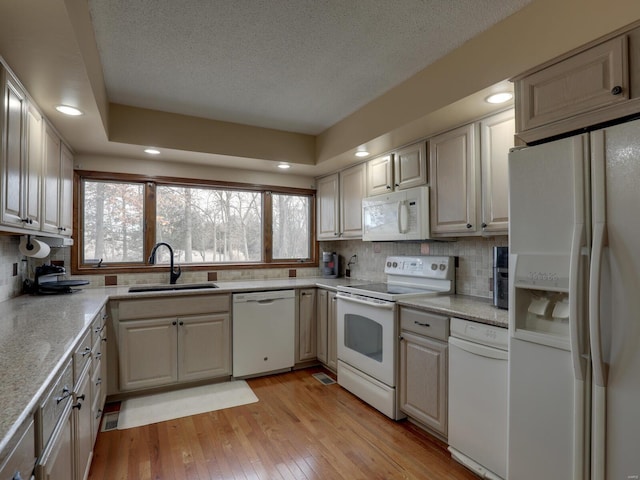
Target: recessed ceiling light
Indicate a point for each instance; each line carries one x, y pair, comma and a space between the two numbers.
284, 166
152, 151
68, 110
499, 97
362, 153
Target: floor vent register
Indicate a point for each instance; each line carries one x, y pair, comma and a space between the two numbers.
323, 378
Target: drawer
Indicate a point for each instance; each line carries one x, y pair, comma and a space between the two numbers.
424, 323
52, 407
81, 356
21, 460
99, 325
172, 306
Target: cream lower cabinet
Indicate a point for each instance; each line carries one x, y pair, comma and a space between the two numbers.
306, 328
57, 460
83, 425
164, 351
424, 367
327, 345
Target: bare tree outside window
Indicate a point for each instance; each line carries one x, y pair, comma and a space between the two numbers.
291, 228
113, 222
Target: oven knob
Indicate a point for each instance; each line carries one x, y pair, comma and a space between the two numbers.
434, 266
395, 264
443, 266
388, 264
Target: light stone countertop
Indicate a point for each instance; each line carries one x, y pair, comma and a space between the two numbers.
462, 306
38, 333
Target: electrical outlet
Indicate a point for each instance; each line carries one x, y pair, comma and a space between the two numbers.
491, 284
15, 269
347, 273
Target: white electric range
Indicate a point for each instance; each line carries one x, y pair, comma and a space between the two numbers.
368, 325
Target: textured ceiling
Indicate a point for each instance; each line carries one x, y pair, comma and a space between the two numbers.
296, 65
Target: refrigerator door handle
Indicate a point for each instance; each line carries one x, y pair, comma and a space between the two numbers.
579, 361
599, 366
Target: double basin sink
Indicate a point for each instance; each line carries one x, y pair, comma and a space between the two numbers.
164, 288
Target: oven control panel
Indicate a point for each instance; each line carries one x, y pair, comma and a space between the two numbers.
421, 266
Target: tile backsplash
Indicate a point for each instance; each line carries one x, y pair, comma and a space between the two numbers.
475, 257
10, 263
473, 275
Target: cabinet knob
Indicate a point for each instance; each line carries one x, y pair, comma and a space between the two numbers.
400, 338
617, 90
469, 225
174, 323
484, 225
397, 184
181, 322
388, 187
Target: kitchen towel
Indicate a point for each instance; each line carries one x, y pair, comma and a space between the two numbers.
33, 248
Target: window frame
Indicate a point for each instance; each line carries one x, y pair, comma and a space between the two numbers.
149, 228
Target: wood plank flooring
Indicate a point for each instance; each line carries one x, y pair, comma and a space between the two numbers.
299, 429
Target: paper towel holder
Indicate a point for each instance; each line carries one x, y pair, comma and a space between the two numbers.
29, 244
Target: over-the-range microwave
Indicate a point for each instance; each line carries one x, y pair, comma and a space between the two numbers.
401, 215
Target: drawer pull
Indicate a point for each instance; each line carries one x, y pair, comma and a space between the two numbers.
65, 394
98, 355
86, 352
421, 324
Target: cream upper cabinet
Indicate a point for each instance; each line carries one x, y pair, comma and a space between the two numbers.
410, 166
352, 191
379, 175
596, 84
496, 138
339, 203
328, 207
455, 186
469, 178
51, 180
66, 191
12, 150
33, 168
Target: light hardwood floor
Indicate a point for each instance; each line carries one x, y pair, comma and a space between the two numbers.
299, 429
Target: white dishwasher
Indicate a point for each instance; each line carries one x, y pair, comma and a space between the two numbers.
478, 376
263, 332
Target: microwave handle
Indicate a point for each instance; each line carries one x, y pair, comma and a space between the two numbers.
403, 217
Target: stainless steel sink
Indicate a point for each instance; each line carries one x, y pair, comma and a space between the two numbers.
163, 288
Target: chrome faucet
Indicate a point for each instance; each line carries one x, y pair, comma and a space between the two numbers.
174, 274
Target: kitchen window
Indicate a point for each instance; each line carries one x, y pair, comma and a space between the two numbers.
120, 217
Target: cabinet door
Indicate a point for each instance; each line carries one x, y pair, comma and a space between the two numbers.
147, 353
352, 191
57, 460
322, 319
578, 85
332, 332
410, 166
51, 181
423, 380
327, 202
83, 425
496, 139
66, 191
33, 169
12, 152
380, 175
306, 348
203, 347
454, 182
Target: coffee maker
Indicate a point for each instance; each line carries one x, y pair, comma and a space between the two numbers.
330, 265
501, 277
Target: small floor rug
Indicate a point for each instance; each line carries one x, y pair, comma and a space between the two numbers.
161, 407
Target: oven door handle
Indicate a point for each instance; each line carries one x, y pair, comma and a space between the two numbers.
385, 305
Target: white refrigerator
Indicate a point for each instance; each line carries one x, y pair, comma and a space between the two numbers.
574, 315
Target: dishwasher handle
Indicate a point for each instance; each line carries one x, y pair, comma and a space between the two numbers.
478, 349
